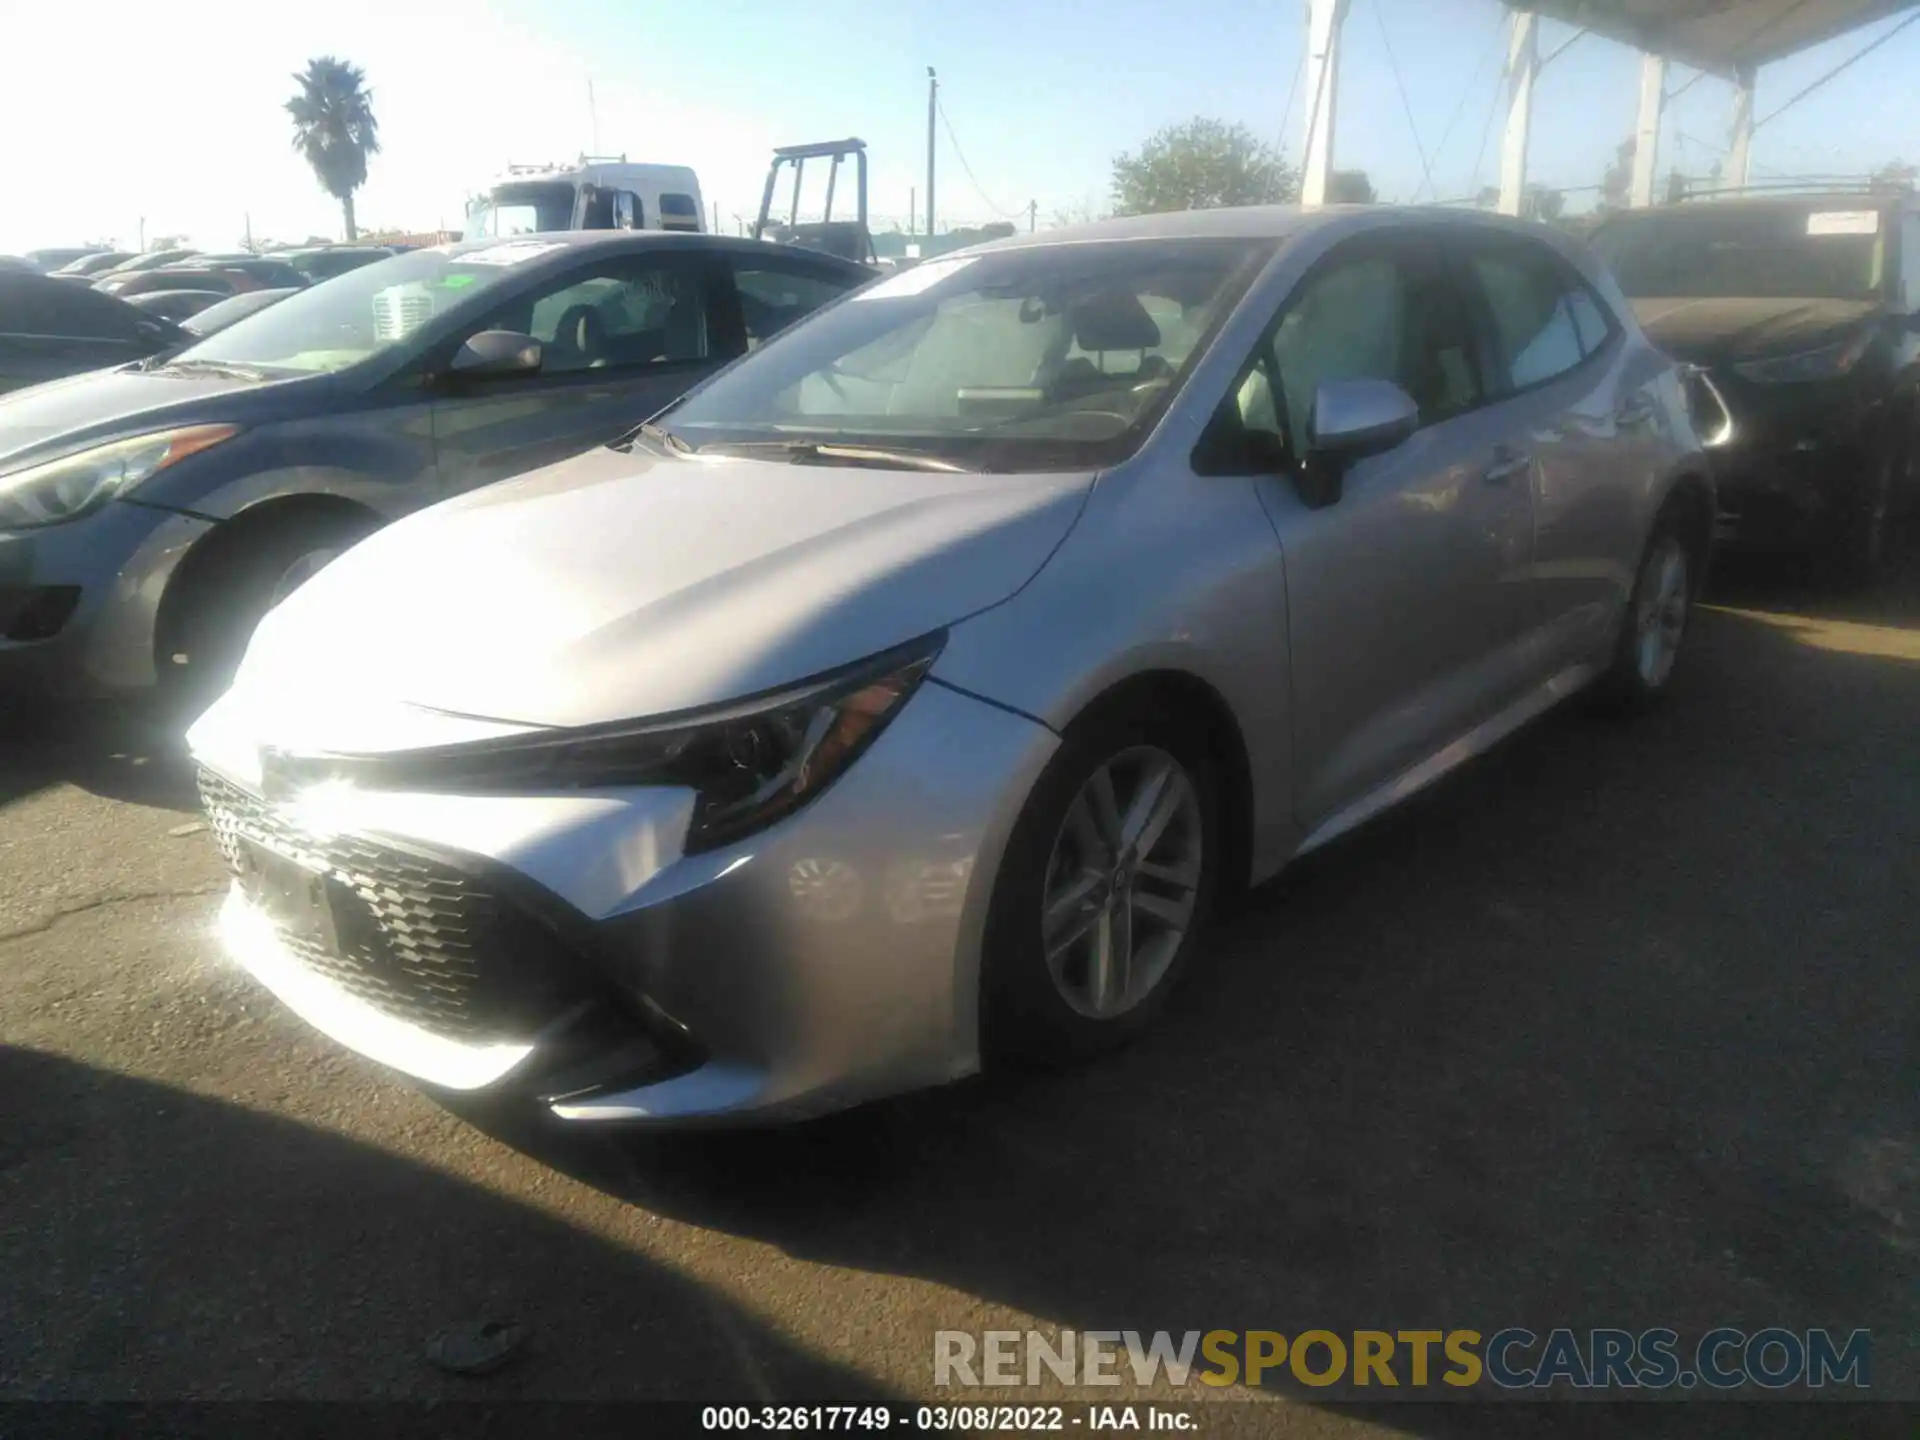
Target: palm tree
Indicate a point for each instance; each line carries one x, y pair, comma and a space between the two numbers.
334, 128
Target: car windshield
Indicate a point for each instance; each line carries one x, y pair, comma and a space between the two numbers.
356, 316
1824, 251
527, 208
1039, 357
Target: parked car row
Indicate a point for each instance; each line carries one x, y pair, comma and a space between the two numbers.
906, 691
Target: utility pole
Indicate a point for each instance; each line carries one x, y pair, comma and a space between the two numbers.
1523, 65
593, 116
716, 217
933, 100
913, 208
1033, 210
1646, 142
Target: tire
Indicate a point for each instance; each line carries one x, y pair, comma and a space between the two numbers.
1862, 548
211, 624
1654, 628
1071, 1007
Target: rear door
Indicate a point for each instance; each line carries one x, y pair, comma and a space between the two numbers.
623, 337
1406, 594
1573, 394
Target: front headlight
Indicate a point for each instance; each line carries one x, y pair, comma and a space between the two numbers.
1829, 362
749, 764
67, 488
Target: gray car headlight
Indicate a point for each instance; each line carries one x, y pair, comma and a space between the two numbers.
749, 764
67, 488
1829, 362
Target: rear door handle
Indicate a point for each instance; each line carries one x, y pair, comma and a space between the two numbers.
1508, 461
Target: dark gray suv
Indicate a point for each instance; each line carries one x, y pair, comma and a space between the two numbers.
149, 515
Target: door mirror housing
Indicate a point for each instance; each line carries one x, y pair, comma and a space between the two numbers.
1353, 419
495, 354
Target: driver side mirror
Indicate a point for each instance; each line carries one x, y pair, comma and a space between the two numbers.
1353, 419
495, 354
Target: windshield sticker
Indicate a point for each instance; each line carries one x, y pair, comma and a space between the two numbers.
1844, 222
517, 252
457, 282
913, 282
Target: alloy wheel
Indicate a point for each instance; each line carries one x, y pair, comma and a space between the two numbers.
1123, 882
1660, 618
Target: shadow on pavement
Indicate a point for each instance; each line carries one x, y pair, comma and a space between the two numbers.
162, 1245
108, 754
1615, 1028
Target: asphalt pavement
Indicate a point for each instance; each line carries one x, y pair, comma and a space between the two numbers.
1614, 1027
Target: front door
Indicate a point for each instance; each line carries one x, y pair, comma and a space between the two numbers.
1405, 595
622, 337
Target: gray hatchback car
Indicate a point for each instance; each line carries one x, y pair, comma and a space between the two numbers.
906, 693
149, 515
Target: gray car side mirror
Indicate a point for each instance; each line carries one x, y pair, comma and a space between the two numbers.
1351, 420
495, 353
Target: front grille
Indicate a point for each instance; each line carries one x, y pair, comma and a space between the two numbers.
418, 939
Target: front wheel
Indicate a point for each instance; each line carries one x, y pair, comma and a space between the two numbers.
1106, 883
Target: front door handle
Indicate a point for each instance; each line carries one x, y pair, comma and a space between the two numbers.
1508, 461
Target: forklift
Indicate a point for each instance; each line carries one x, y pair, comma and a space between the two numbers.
849, 239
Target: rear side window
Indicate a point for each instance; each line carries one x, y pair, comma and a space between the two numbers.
1545, 321
772, 297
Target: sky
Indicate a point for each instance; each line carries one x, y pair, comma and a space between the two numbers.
176, 126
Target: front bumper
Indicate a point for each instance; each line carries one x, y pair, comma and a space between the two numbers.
1799, 461
564, 947
78, 601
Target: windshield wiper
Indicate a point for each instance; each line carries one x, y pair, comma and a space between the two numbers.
822, 452
660, 435
212, 367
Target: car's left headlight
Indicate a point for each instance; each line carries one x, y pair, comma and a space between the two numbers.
1829, 362
749, 763
67, 488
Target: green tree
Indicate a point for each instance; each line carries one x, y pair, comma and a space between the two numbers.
334, 129
1350, 187
1201, 165
1544, 203
1897, 175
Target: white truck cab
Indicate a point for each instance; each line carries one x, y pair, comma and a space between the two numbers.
594, 193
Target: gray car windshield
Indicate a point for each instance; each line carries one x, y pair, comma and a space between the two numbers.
1828, 251
1044, 357
355, 316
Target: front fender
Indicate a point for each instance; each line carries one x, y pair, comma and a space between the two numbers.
1211, 604
382, 460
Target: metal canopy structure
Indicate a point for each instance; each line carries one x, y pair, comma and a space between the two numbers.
1722, 37
1728, 38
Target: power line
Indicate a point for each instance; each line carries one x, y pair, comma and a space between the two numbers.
1406, 101
1479, 159
1293, 92
961, 155
1466, 94
1841, 68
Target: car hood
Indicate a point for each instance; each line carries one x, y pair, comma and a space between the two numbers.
1724, 332
622, 585
61, 415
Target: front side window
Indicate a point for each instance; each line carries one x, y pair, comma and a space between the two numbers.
618, 314
1033, 357
1372, 311
1528, 297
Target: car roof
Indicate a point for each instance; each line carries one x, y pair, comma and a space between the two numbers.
1268, 222
1784, 200
578, 241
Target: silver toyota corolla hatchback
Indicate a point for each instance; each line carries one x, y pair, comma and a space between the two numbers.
911, 691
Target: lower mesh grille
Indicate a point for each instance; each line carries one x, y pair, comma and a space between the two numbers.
418, 939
